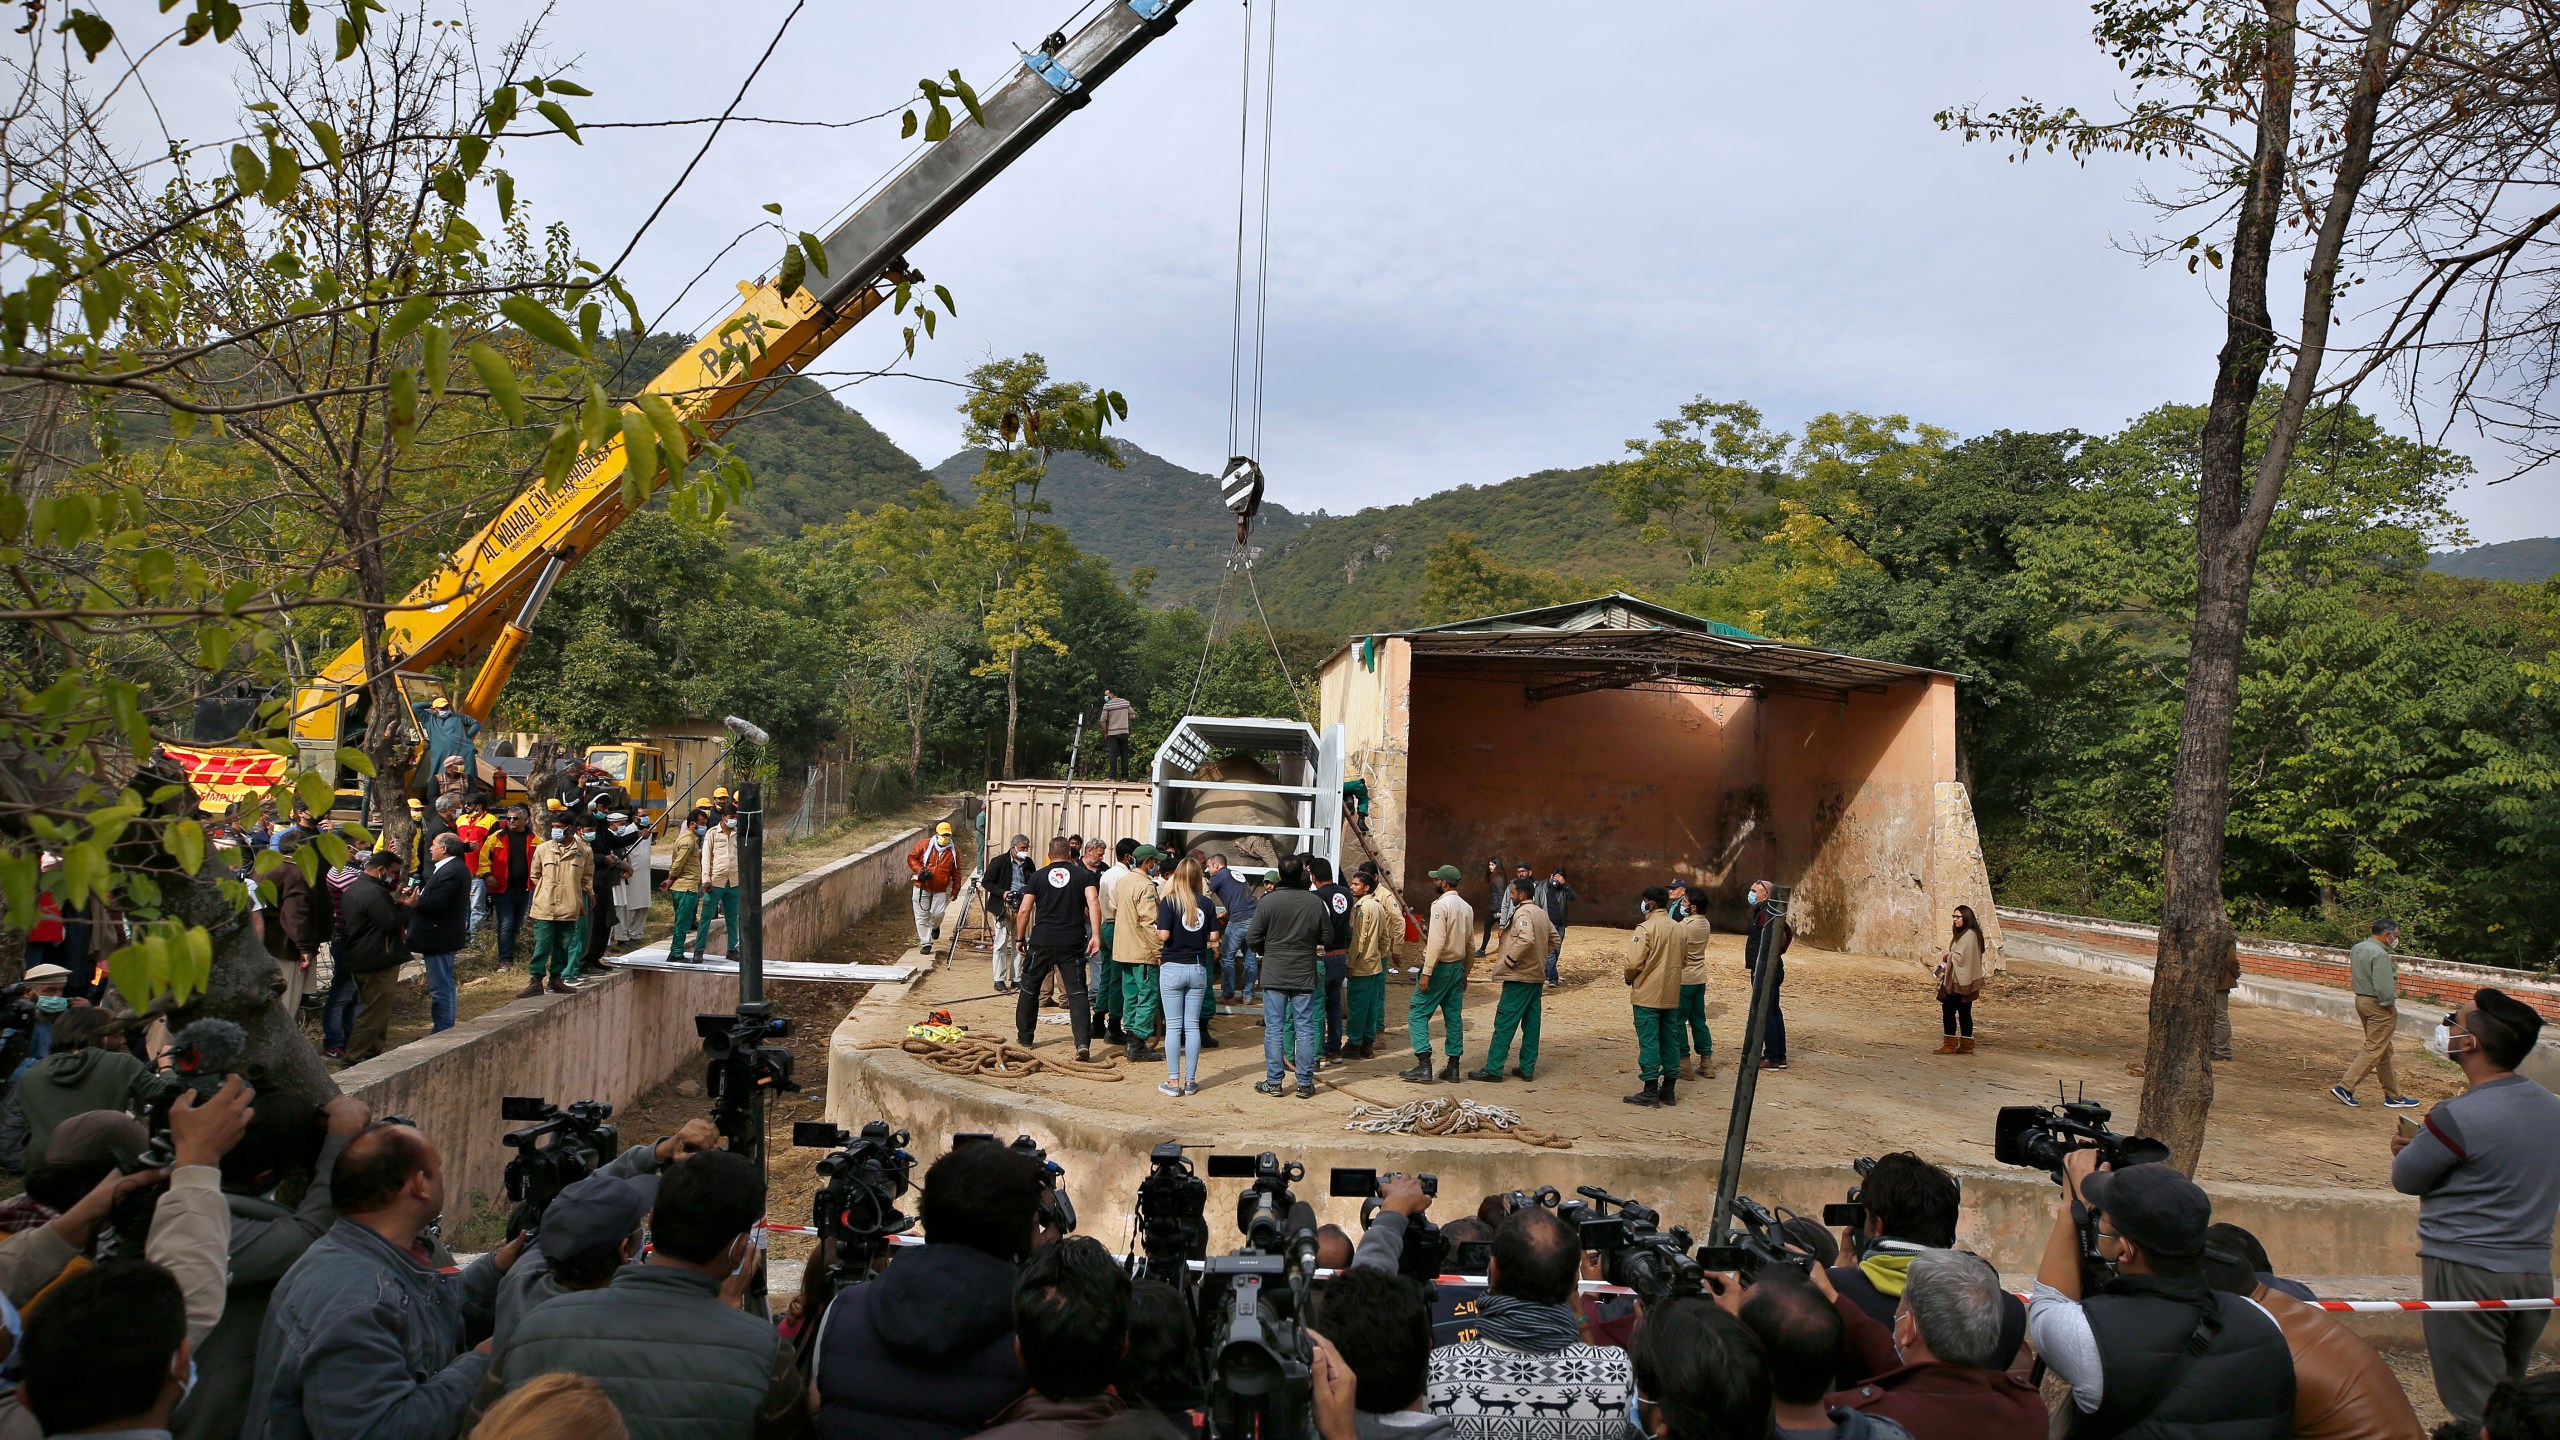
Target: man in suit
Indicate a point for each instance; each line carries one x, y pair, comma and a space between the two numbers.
440, 922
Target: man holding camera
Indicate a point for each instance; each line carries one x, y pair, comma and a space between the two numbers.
2157, 1347
1527, 1366
1653, 974
1909, 1207
1521, 966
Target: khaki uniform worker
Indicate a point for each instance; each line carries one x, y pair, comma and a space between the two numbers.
1444, 980
1521, 966
1653, 973
1134, 897
563, 878
2377, 985
1695, 1038
1375, 934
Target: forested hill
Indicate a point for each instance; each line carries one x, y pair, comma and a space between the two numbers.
1340, 574
1149, 512
1353, 574
2527, 562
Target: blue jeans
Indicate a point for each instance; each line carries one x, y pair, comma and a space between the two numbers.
507, 908
338, 1015
1283, 1011
1553, 954
1181, 986
1337, 969
439, 991
1236, 962
479, 907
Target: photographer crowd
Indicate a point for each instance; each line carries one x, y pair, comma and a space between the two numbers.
194, 1259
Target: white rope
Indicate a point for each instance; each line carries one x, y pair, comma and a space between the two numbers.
1443, 1116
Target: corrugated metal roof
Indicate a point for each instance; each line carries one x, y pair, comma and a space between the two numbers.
1619, 642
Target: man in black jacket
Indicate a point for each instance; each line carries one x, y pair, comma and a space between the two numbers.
2157, 1351
1767, 943
1002, 885
1336, 954
926, 1350
376, 920
1911, 1206
440, 922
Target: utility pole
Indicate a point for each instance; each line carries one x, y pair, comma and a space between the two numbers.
1737, 1130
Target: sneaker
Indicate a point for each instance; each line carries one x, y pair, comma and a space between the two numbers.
2345, 1095
1773, 1064
1191, 1088
1003, 985
1169, 1088
2400, 1102
1083, 1057
1272, 1088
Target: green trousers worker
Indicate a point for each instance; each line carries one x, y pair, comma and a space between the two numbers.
1140, 997
1518, 1009
687, 902
1696, 1039
1107, 986
1364, 1001
721, 900
1443, 991
1657, 1043
556, 949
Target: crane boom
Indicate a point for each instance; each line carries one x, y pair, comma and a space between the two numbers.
482, 600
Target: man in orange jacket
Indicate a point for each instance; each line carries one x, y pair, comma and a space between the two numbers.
933, 871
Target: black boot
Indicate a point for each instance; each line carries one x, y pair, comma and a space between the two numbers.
1449, 1072
1669, 1084
1420, 1074
1491, 1077
1650, 1097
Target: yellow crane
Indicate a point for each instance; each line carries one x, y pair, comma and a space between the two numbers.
482, 601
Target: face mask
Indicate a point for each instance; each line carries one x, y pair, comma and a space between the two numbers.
728, 824
557, 832
2442, 1041
52, 1004
586, 837
1644, 908
1679, 909
1021, 854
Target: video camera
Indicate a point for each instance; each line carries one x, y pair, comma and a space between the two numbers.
1253, 1306
18, 1020
1426, 1250
857, 1207
1635, 1251
200, 1055
742, 1064
1057, 1211
1756, 1242
2038, 1137
562, 1146
1173, 1225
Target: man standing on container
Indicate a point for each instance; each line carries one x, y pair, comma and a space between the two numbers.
2377, 984
1116, 712
1444, 980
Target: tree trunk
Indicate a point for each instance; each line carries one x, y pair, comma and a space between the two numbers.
2233, 507
1012, 705
2195, 931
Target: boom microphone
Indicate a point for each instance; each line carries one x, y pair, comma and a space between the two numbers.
747, 730
208, 1047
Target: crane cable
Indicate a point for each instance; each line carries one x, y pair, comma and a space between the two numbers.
1244, 436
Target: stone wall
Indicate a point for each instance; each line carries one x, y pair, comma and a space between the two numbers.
615, 1040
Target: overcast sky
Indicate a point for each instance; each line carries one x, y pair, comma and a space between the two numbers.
1504, 236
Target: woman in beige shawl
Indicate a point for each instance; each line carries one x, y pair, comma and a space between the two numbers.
1960, 973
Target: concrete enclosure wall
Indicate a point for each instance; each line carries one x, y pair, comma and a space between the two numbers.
1852, 801
615, 1040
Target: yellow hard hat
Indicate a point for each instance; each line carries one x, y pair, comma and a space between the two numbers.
942, 829
554, 803
440, 703
720, 792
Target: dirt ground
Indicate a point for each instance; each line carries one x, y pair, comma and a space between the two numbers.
1863, 1078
